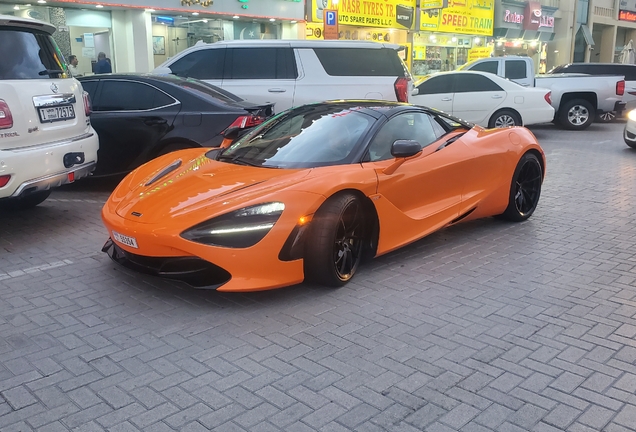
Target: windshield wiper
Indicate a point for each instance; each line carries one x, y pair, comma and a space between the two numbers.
237, 159
51, 71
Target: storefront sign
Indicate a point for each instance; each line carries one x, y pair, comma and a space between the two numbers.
535, 18
204, 3
479, 52
627, 6
433, 4
474, 17
399, 14
626, 16
512, 17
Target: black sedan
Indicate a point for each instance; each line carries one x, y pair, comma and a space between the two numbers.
139, 117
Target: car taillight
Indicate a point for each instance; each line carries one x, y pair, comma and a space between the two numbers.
620, 88
248, 121
4, 179
6, 118
87, 103
547, 97
401, 89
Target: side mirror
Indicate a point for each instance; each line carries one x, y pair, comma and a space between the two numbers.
405, 148
162, 71
231, 132
415, 91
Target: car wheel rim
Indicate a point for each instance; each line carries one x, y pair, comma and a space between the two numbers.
348, 243
578, 115
528, 187
608, 116
504, 121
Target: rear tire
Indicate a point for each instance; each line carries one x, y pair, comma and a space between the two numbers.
26, 202
525, 189
334, 247
504, 118
577, 114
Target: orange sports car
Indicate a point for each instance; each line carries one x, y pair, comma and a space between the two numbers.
314, 191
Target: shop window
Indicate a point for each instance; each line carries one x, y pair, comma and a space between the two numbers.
130, 96
475, 83
515, 69
487, 66
261, 63
436, 85
360, 61
202, 64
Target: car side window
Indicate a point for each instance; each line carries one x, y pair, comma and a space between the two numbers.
436, 85
515, 69
487, 66
261, 63
416, 126
475, 83
130, 96
202, 64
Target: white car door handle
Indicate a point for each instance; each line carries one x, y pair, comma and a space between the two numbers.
497, 96
277, 90
447, 99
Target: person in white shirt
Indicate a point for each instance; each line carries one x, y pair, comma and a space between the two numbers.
72, 66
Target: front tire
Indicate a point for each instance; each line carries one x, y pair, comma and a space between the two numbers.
26, 202
525, 189
334, 247
504, 118
577, 114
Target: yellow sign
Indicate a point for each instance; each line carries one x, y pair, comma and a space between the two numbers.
474, 17
313, 31
433, 4
398, 14
478, 53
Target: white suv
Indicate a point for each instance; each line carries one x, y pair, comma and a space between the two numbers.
292, 73
46, 139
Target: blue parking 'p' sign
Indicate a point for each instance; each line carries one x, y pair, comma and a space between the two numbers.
331, 18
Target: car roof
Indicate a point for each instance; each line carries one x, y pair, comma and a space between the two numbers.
14, 21
596, 64
296, 44
171, 79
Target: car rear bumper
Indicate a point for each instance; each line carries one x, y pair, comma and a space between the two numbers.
43, 167
537, 115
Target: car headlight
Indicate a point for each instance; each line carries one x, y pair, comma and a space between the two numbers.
632, 115
239, 229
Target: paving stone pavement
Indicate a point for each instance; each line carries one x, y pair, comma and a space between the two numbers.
487, 326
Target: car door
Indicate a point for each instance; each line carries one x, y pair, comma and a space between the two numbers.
517, 71
130, 118
436, 92
476, 97
424, 192
262, 75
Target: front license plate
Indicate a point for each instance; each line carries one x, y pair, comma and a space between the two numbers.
58, 113
125, 240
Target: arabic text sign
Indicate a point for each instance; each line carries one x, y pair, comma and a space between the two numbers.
478, 53
474, 17
398, 14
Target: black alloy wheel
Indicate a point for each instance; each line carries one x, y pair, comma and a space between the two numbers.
525, 189
335, 243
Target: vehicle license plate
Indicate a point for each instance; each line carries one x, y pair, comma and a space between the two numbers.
125, 240
58, 113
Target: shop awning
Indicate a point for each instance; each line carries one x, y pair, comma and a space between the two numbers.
587, 34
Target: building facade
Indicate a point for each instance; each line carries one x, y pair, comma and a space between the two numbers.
138, 35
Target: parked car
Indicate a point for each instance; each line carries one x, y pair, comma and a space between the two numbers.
576, 98
292, 73
484, 99
46, 138
141, 116
627, 70
313, 191
629, 133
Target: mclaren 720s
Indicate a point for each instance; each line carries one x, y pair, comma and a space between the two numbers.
315, 190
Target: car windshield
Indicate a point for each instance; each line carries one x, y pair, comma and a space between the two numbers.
310, 136
29, 55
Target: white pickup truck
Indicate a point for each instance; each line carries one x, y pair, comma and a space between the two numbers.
576, 98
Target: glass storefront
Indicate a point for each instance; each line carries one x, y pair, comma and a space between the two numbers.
534, 49
440, 52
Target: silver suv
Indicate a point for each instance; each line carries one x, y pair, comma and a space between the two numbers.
46, 138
